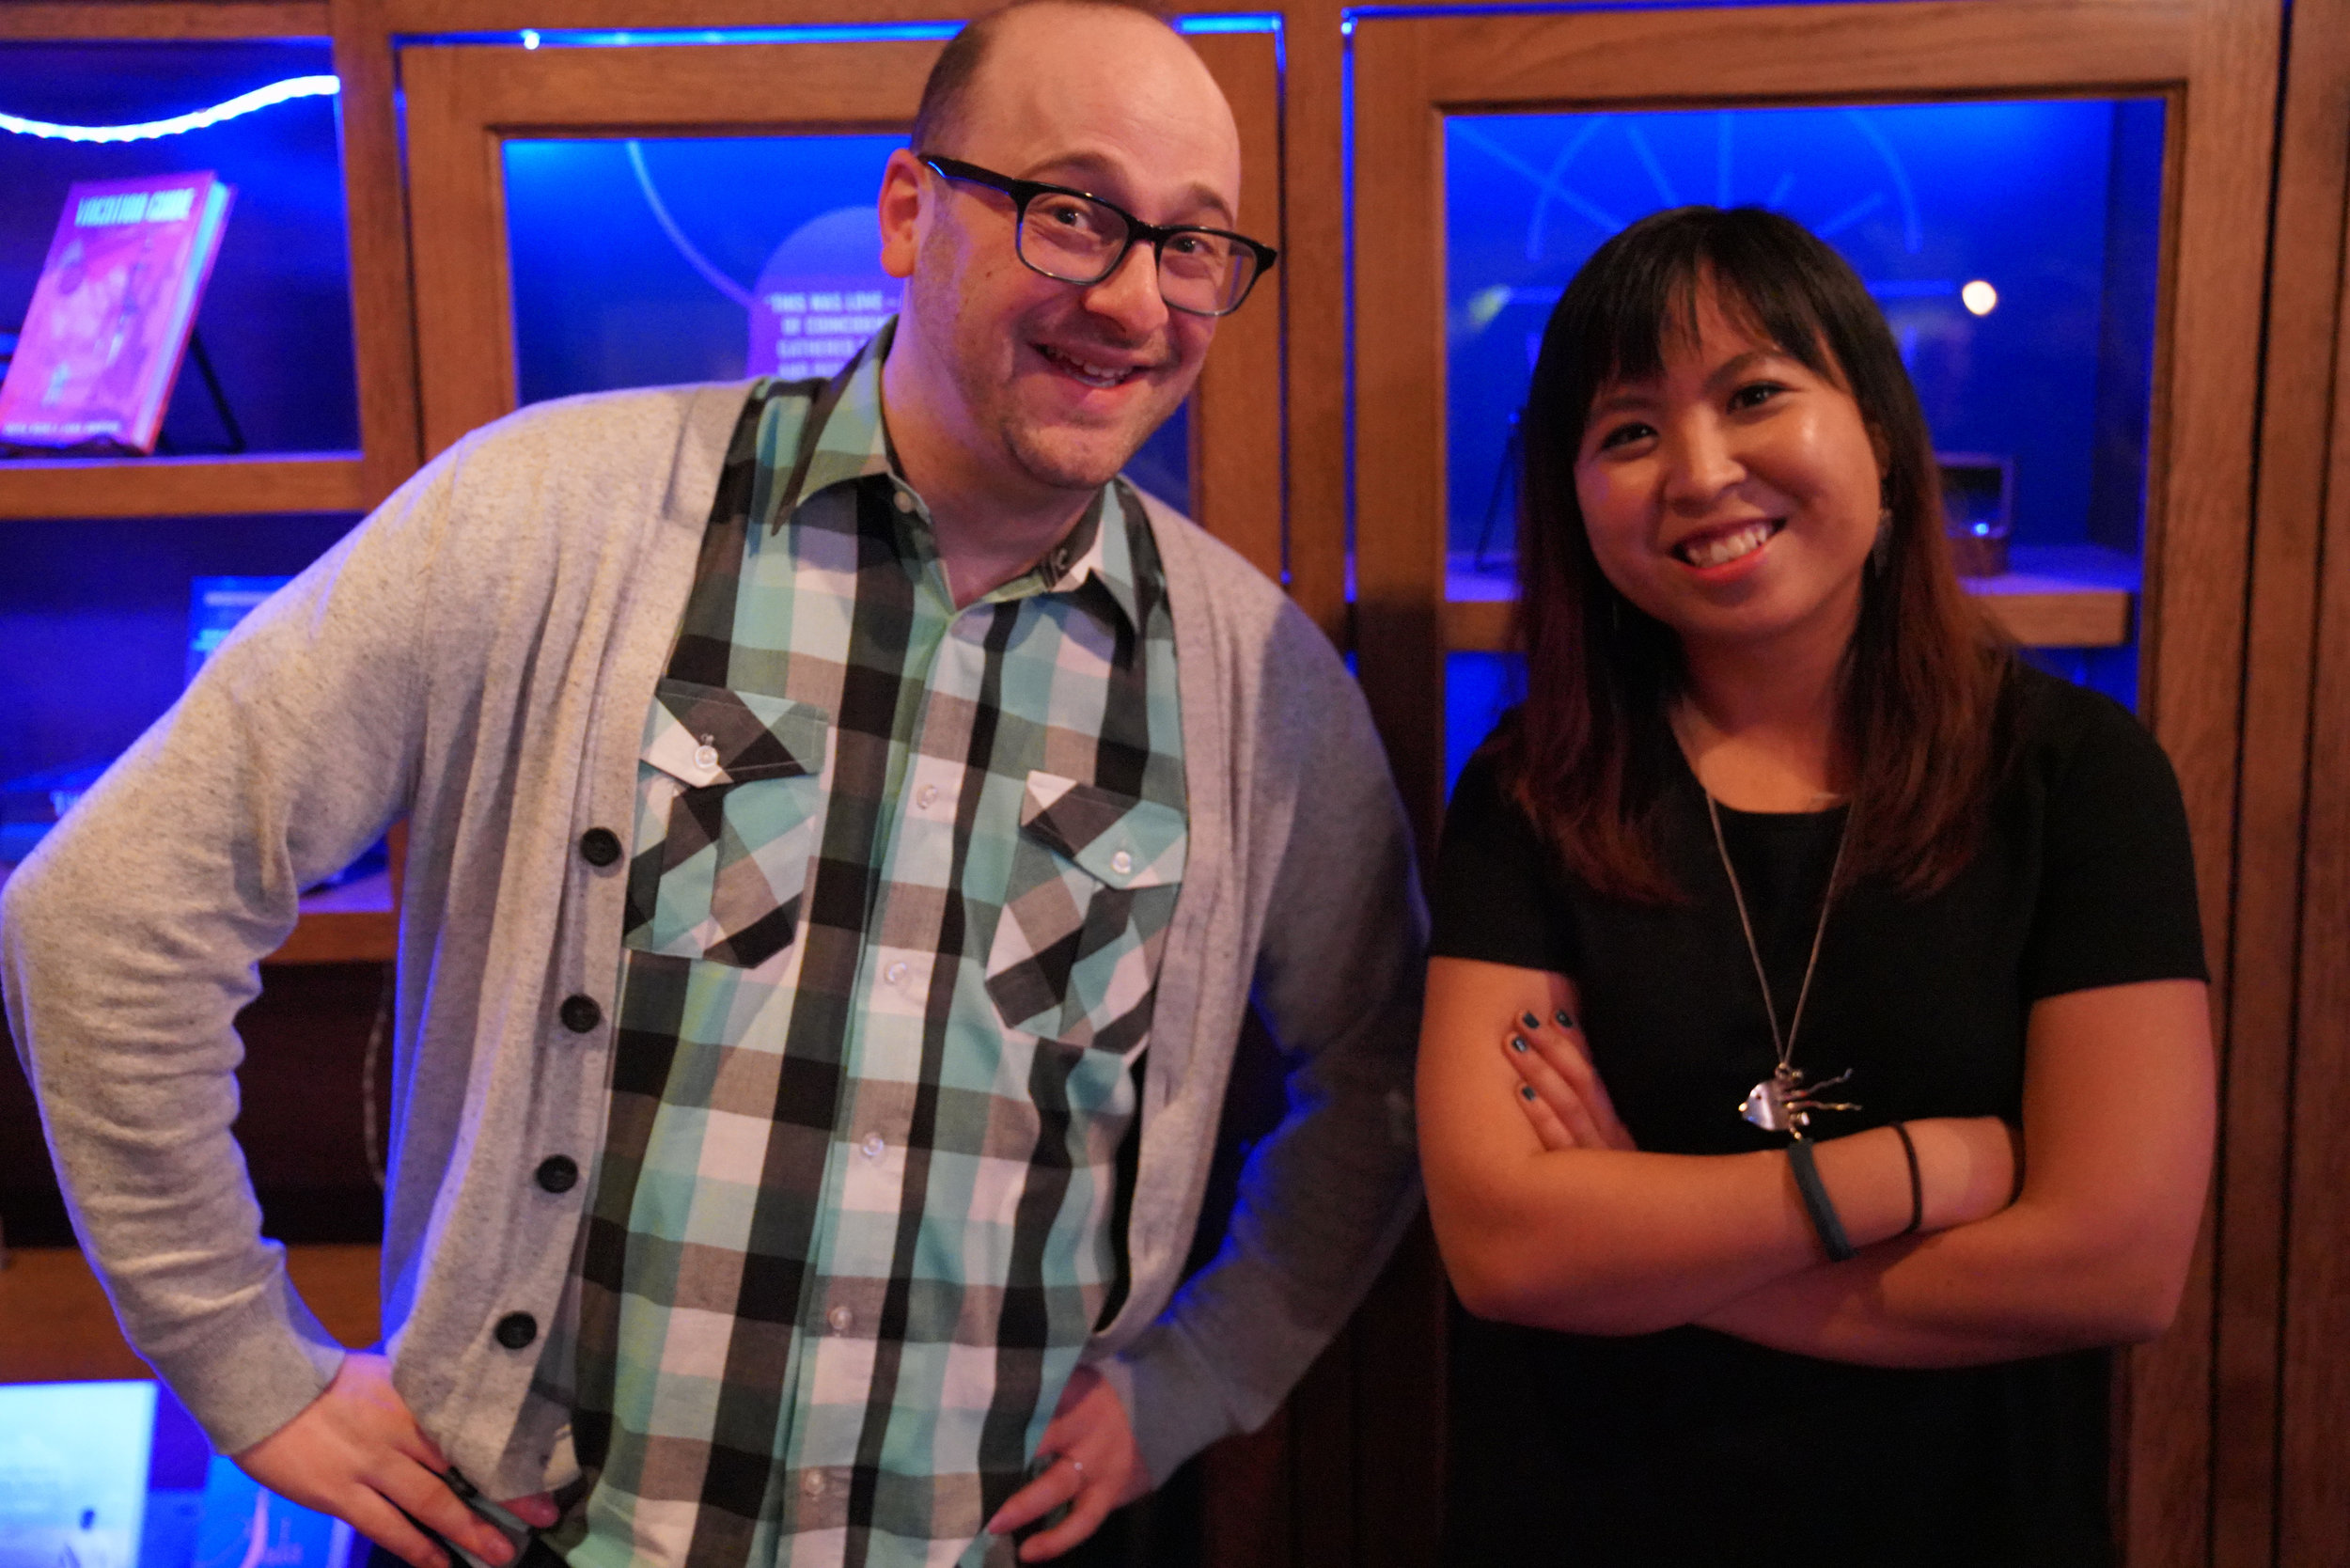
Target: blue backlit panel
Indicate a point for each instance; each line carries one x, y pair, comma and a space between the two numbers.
704, 250
2013, 247
274, 322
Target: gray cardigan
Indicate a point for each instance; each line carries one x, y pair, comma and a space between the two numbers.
478, 658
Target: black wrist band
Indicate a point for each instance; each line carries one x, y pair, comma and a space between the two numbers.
1817, 1204
1917, 1181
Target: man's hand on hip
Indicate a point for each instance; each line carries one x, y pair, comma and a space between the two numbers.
1095, 1468
357, 1453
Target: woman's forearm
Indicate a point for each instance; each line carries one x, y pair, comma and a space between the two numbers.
2095, 1250
1606, 1242
2006, 1287
1612, 1241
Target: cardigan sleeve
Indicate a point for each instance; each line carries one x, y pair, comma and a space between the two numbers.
1325, 1196
131, 937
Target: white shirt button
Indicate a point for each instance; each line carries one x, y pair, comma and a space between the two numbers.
926, 796
706, 758
896, 973
903, 501
840, 1317
1121, 863
874, 1146
812, 1482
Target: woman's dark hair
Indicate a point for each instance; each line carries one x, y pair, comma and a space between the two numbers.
1927, 676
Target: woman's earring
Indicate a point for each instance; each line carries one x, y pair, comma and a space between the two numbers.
1882, 550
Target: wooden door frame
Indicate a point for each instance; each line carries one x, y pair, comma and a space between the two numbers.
2214, 62
2294, 881
466, 100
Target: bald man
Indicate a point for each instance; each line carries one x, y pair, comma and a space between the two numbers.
848, 825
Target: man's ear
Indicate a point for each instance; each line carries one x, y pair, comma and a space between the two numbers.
900, 208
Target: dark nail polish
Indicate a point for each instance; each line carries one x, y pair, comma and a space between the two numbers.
1526, 1092
1564, 1022
1517, 1043
1531, 1021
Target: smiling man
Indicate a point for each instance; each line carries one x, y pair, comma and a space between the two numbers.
848, 827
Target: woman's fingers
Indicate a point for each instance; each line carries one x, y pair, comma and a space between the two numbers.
1550, 1101
1558, 1084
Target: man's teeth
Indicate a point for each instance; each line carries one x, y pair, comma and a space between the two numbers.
1727, 547
1100, 375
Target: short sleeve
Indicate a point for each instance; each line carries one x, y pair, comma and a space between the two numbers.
1495, 897
2117, 901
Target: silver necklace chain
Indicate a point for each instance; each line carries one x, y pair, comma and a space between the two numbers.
1782, 1103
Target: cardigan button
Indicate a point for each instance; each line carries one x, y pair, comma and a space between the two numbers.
600, 846
557, 1174
580, 1013
515, 1330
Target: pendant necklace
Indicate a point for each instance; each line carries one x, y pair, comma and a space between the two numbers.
1782, 1103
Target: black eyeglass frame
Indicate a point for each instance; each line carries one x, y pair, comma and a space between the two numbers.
1023, 192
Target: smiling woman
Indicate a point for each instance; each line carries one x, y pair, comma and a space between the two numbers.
1787, 900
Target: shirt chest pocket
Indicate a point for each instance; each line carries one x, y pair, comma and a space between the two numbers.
729, 801
1094, 876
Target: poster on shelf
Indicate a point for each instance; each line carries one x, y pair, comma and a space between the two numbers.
109, 323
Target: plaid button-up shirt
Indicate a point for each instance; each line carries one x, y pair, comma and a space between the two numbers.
900, 879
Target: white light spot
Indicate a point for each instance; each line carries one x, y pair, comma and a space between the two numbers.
530, 37
1979, 297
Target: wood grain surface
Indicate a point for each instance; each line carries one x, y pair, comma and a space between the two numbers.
57, 1326
179, 487
162, 20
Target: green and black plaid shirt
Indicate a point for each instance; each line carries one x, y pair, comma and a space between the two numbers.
900, 879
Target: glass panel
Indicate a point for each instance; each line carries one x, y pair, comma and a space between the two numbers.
1478, 689
101, 625
2013, 247
273, 322
712, 257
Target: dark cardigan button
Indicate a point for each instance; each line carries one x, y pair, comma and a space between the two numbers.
558, 1173
580, 1013
516, 1331
600, 846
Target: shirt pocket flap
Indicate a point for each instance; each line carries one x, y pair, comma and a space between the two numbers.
1121, 841
706, 735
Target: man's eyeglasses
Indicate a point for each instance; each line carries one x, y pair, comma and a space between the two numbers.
1075, 238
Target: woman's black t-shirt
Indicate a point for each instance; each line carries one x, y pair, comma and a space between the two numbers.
1692, 1447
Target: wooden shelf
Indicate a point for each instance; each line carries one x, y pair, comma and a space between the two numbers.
2053, 596
169, 21
350, 924
179, 487
55, 1325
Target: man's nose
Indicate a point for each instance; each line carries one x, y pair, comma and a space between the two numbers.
1130, 295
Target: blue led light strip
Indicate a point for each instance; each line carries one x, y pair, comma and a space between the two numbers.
243, 104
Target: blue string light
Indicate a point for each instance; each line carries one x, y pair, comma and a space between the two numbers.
147, 130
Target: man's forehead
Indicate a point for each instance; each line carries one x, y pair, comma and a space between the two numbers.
1102, 91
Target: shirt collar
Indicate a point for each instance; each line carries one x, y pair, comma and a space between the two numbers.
851, 444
